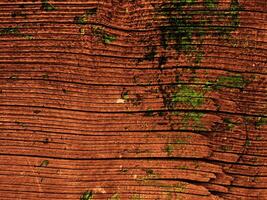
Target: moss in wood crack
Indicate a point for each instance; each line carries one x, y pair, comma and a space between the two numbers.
198, 57
44, 163
247, 142
181, 141
149, 112
136, 197
46, 6
229, 123
151, 54
124, 170
211, 4
45, 76
83, 19
101, 33
180, 188
182, 167
18, 13
20, 123
87, 195
107, 38
125, 94
169, 149
259, 138
91, 11
10, 31
225, 148
149, 172
115, 197
261, 121
64, 91
80, 20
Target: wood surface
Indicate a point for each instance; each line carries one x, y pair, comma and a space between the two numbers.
89, 106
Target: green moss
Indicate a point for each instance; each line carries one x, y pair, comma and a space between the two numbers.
80, 20
198, 57
187, 95
169, 149
149, 112
44, 163
180, 141
149, 172
107, 39
186, 32
211, 4
83, 19
10, 31
136, 197
91, 11
258, 138
28, 37
261, 121
230, 124
46, 6
225, 148
247, 142
151, 54
182, 167
180, 188
236, 81
87, 195
193, 116
101, 33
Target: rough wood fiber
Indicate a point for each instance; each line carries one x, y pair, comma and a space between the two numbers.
92, 99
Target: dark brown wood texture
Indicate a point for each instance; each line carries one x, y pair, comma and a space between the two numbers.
88, 102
